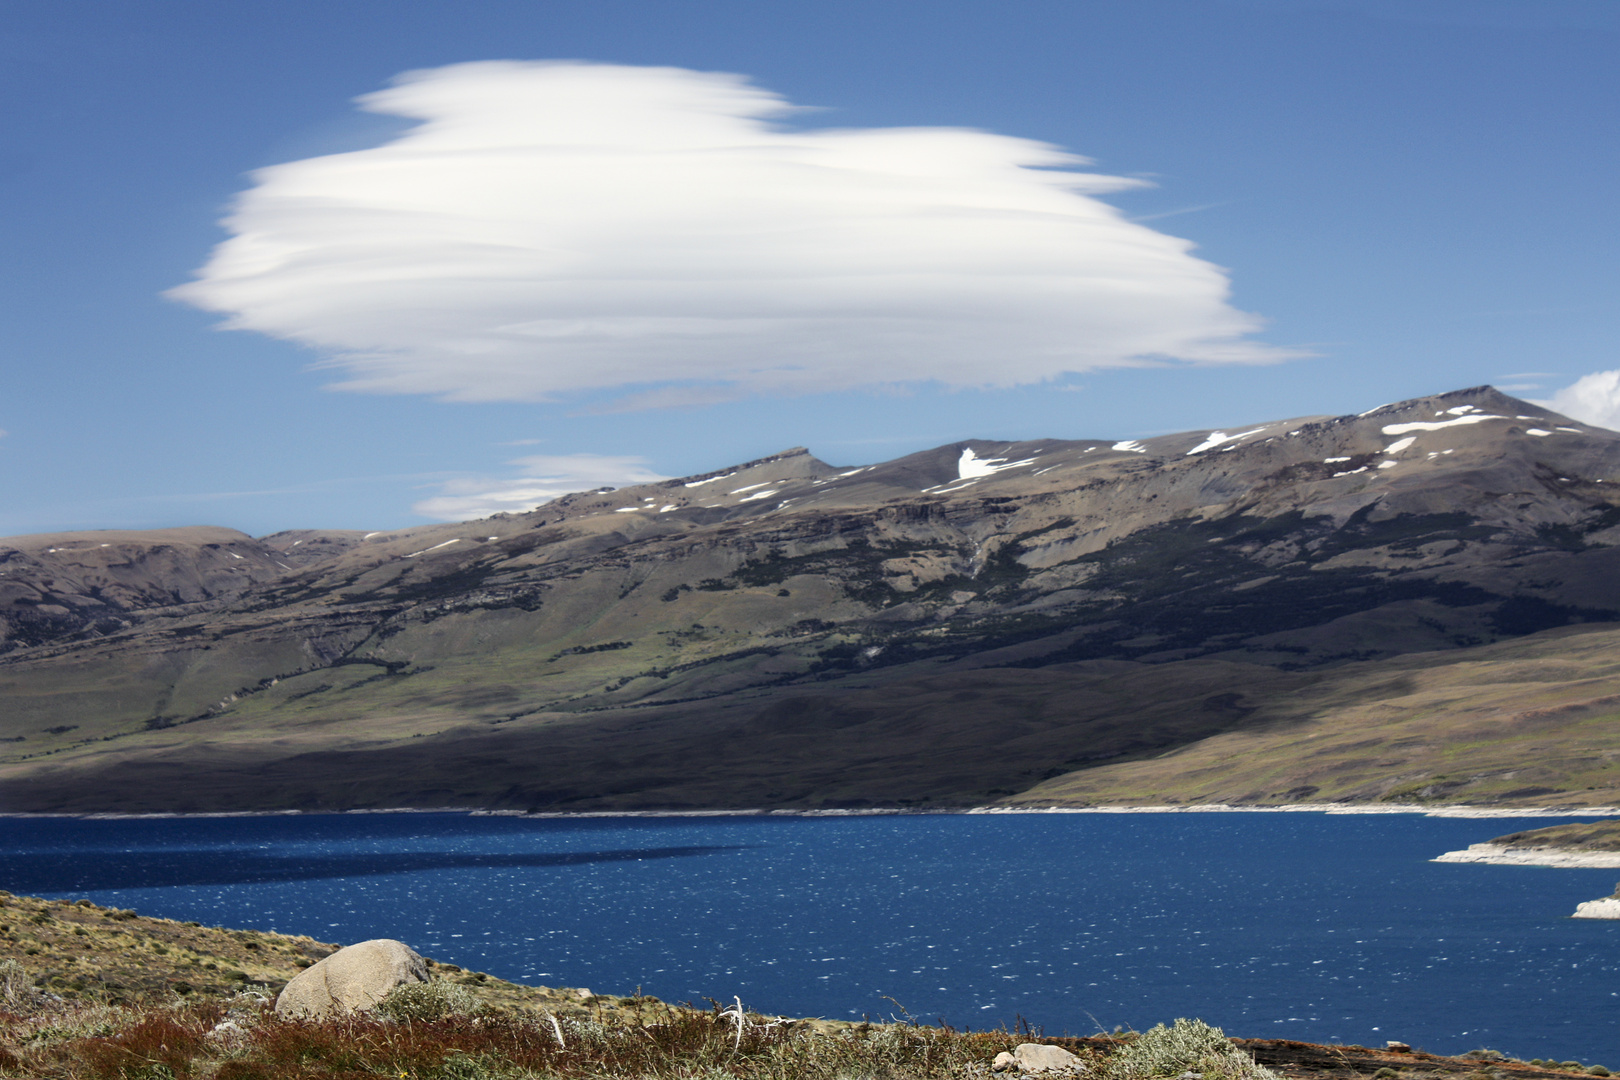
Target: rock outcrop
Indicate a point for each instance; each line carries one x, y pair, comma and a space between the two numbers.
352, 979
1606, 908
1499, 854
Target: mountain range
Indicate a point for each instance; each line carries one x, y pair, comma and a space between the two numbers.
1420, 603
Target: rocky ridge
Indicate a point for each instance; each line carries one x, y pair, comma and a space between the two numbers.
1002, 617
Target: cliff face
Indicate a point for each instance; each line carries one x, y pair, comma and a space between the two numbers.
953, 626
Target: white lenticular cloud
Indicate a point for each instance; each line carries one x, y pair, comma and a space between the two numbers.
1591, 399
538, 480
549, 228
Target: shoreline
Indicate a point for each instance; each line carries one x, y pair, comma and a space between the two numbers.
1450, 811
1557, 858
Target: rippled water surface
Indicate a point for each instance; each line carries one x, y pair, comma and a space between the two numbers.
1272, 925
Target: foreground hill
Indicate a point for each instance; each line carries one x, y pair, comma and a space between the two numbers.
96, 992
1417, 603
70, 951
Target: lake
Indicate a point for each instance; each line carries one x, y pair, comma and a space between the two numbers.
1281, 925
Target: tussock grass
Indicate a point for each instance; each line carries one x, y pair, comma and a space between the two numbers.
416, 1002
246, 1040
1185, 1046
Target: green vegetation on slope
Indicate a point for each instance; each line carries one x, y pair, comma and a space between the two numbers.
1526, 722
1591, 836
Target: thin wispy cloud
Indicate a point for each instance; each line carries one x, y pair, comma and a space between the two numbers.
534, 481
552, 228
1522, 382
1177, 213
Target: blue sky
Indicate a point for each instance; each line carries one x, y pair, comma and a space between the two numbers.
1414, 196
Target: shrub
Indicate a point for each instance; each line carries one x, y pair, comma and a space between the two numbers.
1597, 1070
1185, 1046
427, 1001
16, 985
1386, 1073
459, 1066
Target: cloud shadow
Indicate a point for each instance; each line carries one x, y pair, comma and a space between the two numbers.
91, 871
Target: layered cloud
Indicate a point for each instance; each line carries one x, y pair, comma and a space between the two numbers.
535, 480
552, 228
1592, 399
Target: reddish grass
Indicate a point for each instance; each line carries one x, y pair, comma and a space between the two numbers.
659, 1043
156, 1040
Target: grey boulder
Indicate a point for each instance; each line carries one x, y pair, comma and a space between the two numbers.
352, 979
1037, 1058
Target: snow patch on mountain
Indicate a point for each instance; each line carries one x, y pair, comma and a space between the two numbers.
1216, 438
971, 465
1437, 425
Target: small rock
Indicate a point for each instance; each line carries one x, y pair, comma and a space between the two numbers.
225, 1029
1038, 1057
1003, 1062
352, 979
1396, 1047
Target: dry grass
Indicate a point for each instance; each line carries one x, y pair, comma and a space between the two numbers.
242, 1038
78, 952
93, 993
245, 1040
1528, 722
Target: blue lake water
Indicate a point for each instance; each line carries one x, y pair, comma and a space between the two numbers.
1298, 925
